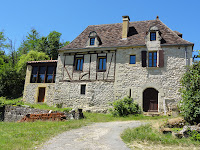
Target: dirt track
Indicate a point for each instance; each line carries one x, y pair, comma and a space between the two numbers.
98, 136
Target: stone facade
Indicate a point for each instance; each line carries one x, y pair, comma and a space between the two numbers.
129, 78
120, 78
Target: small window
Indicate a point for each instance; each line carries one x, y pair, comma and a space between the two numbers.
152, 59
102, 63
92, 41
34, 74
83, 87
152, 36
79, 63
132, 59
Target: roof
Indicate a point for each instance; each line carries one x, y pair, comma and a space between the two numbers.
42, 61
111, 35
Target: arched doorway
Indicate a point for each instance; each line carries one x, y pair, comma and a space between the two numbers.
150, 100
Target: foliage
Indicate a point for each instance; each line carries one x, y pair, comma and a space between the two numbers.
11, 82
147, 133
3, 43
17, 101
194, 135
30, 43
124, 107
190, 104
31, 56
48, 45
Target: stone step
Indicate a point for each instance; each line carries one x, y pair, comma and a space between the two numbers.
152, 114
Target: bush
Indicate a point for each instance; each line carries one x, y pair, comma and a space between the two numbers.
190, 104
124, 107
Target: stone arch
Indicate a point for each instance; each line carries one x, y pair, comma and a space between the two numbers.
150, 100
155, 86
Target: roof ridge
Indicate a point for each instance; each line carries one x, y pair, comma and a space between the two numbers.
120, 23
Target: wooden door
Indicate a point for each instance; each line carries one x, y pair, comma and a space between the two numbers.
150, 100
41, 95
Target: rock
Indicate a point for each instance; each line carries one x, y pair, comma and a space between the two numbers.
175, 122
166, 130
178, 135
186, 129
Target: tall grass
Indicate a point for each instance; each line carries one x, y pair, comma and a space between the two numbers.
146, 133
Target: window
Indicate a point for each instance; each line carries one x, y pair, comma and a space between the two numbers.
50, 74
83, 87
92, 41
132, 59
43, 74
152, 36
152, 59
78, 64
34, 74
102, 63
41, 77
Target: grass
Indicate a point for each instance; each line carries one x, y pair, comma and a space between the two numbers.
27, 135
148, 134
19, 102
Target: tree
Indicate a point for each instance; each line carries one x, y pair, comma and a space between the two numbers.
49, 44
31, 56
30, 43
190, 103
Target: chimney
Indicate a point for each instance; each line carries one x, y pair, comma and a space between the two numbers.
125, 26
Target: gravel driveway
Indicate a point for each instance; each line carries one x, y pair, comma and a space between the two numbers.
98, 136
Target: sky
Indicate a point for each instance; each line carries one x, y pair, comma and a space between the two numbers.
71, 17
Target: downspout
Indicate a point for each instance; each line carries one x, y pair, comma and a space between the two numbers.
186, 55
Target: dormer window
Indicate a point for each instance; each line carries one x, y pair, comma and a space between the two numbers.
92, 41
153, 36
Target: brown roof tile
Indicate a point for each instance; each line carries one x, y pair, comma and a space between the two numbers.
42, 61
111, 35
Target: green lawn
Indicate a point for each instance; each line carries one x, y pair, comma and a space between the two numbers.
28, 135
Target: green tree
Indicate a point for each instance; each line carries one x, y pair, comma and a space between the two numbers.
190, 103
31, 56
30, 43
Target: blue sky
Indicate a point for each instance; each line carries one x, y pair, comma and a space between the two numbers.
71, 17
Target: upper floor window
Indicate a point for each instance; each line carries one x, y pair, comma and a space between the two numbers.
34, 74
152, 59
132, 59
79, 63
43, 74
102, 63
50, 76
92, 41
41, 77
153, 36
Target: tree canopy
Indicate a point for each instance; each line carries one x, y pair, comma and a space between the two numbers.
190, 104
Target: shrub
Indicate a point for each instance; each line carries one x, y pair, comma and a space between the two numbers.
124, 107
190, 104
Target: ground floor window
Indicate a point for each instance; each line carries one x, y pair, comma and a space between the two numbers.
83, 89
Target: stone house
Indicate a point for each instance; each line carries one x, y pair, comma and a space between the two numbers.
144, 60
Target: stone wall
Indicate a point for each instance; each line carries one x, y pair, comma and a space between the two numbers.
166, 80
31, 92
16, 113
129, 78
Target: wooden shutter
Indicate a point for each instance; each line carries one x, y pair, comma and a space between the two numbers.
161, 58
144, 58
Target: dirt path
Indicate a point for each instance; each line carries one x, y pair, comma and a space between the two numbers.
98, 136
